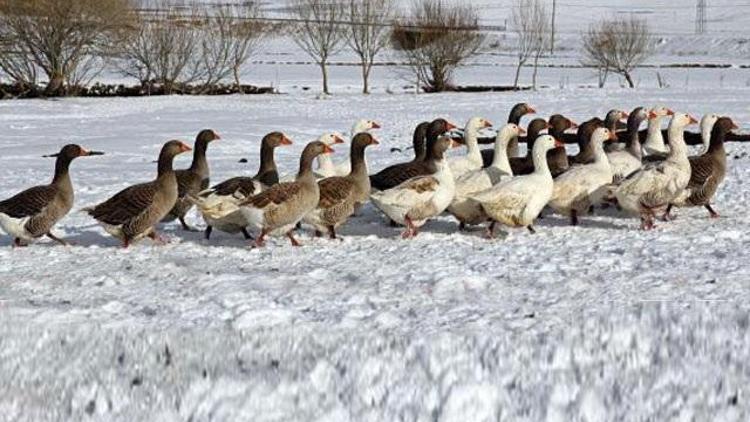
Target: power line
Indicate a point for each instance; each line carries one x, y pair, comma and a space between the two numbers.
700, 17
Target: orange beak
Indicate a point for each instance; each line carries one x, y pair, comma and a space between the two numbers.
652, 115
216, 136
327, 149
285, 141
573, 125
530, 109
612, 136
86, 153
455, 144
624, 115
374, 141
184, 147
734, 125
375, 125
449, 126
692, 120
559, 144
337, 140
670, 112
487, 124
521, 131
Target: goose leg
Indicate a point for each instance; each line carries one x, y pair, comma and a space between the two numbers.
409, 232
260, 241
491, 230
531, 229
461, 226
668, 214
153, 235
710, 209
573, 217
290, 235
185, 225
332, 233
207, 232
17, 243
247, 234
57, 239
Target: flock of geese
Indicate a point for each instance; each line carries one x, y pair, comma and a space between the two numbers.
617, 164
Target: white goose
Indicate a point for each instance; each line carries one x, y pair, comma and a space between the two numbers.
468, 211
344, 168
325, 166
654, 144
627, 161
518, 201
655, 186
584, 185
420, 198
707, 124
473, 158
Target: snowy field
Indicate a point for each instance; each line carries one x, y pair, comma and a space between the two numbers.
599, 322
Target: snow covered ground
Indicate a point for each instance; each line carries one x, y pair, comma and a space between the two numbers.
592, 323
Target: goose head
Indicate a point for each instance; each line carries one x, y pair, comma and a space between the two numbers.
314, 149
519, 110
331, 139
639, 114
681, 120
658, 112
602, 135
275, 139
363, 140
545, 143
363, 125
477, 123
441, 145
72, 151
559, 123
708, 121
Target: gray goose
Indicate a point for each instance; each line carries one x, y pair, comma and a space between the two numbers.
396, 174
192, 180
340, 196
237, 189
516, 113
278, 209
707, 171
585, 153
32, 213
133, 212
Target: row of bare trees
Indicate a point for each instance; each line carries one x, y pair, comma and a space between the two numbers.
68, 42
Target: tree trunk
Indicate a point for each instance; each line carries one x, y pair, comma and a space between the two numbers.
324, 70
236, 72
55, 86
365, 77
536, 68
628, 78
518, 75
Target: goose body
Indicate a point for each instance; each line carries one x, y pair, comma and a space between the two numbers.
279, 208
33, 212
584, 185
473, 158
517, 202
132, 213
219, 205
463, 208
341, 196
420, 198
655, 186
192, 180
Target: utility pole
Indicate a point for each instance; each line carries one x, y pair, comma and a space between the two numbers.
552, 41
700, 17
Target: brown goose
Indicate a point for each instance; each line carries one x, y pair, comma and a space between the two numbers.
339, 196
418, 141
133, 212
557, 158
707, 171
585, 153
525, 165
279, 208
218, 204
32, 213
192, 180
396, 174
516, 113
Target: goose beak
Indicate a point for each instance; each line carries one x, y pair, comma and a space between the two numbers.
624, 115
337, 140
285, 141
374, 141
85, 153
450, 126
375, 125
692, 120
454, 144
734, 125
184, 147
573, 125
327, 149
670, 112
559, 144
487, 124
530, 110
652, 115
521, 131
612, 136
216, 136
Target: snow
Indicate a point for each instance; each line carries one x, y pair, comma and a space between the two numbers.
590, 323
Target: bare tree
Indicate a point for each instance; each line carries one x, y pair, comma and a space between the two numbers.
319, 31
617, 46
435, 39
530, 22
368, 32
64, 39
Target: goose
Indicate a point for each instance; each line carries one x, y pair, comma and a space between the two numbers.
525, 165
219, 204
626, 161
707, 124
516, 113
654, 144
585, 153
396, 174
473, 158
193, 179
655, 186
343, 168
133, 212
557, 158
326, 167
517, 202
340, 196
420, 198
33, 212
584, 185
278, 209
707, 171
467, 211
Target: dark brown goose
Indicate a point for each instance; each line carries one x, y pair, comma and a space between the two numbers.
340, 196
32, 213
192, 180
516, 113
218, 204
525, 165
418, 141
276, 210
585, 153
557, 158
133, 212
396, 174
707, 171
